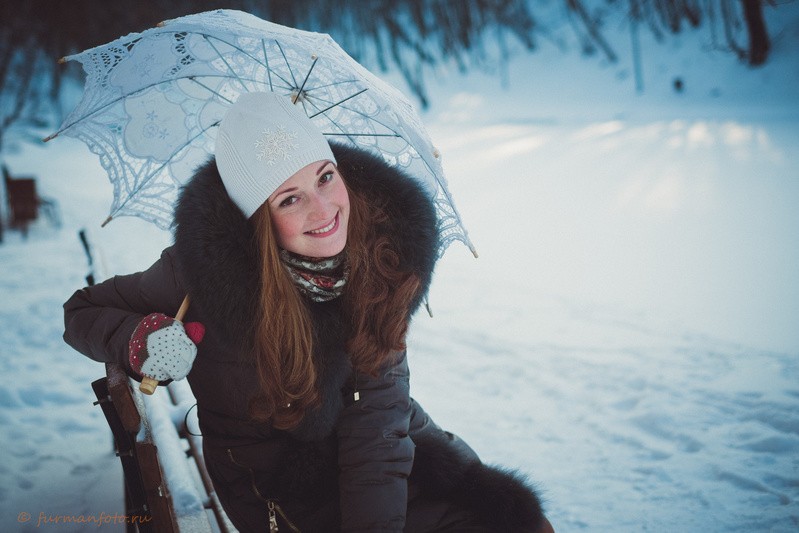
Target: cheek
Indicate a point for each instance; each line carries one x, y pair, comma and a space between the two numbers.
342, 198
286, 228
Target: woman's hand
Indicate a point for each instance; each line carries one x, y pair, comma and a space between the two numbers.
162, 348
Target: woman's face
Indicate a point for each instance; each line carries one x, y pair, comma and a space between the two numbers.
310, 211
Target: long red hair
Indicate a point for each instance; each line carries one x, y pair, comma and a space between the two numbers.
375, 304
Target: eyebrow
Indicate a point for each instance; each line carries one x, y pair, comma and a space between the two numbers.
281, 193
321, 168
292, 189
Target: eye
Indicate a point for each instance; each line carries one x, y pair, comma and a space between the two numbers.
327, 177
289, 201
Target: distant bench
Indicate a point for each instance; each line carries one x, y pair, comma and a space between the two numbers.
167, 487
24, 203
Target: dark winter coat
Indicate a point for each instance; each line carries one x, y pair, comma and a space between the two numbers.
375, 464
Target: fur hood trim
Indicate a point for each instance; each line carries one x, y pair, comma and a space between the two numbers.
217, 250
218, 256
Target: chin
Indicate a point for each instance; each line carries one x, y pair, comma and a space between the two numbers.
330, 251
319, 250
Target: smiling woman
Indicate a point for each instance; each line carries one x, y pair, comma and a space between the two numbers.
305, 262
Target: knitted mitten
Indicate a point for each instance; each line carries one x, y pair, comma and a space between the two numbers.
163, 348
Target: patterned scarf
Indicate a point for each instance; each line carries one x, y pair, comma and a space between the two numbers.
320, 280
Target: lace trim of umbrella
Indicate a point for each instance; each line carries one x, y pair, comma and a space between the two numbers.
174, 115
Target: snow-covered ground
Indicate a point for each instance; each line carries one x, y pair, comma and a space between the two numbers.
629, 336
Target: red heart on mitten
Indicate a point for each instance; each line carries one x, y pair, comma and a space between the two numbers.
162, 335
195, 331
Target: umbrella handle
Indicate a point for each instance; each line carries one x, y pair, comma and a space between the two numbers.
148, 384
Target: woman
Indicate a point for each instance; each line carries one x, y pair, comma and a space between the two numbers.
305, 264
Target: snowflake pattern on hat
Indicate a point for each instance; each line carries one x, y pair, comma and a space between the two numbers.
275, 145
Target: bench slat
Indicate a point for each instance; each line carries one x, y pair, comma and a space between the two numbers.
140, 425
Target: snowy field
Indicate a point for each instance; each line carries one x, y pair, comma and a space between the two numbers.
628, 337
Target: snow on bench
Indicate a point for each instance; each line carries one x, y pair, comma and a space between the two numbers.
166, 483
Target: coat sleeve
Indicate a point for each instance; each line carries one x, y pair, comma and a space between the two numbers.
99, 320
375, 452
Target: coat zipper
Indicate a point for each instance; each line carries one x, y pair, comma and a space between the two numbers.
271, 504
272, 518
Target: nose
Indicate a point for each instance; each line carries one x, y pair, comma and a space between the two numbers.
319, 208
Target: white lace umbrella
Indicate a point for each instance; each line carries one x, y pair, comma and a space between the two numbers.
153, 100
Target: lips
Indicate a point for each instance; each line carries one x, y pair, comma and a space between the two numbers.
324, 231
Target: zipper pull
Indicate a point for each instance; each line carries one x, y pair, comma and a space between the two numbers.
272, 517
356, 396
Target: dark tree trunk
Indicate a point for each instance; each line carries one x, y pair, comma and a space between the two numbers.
635, 40
691, 11
759, 43
592, 28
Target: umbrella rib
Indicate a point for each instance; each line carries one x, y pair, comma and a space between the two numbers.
325, 110
266, 60
317, 87
347, 134
204, 86
299, 91
355, 111
287, 62
233, 72
372, 119
147, 179
265, 65
343, 133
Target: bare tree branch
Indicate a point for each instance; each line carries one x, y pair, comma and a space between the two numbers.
593, 30
729, 20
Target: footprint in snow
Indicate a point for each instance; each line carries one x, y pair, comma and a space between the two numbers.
751, 485
82, 470
777, 445
36, 396
658, 427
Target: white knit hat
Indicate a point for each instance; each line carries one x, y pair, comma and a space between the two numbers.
262, 141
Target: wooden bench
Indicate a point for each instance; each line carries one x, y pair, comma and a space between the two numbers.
167, 487
25, 203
